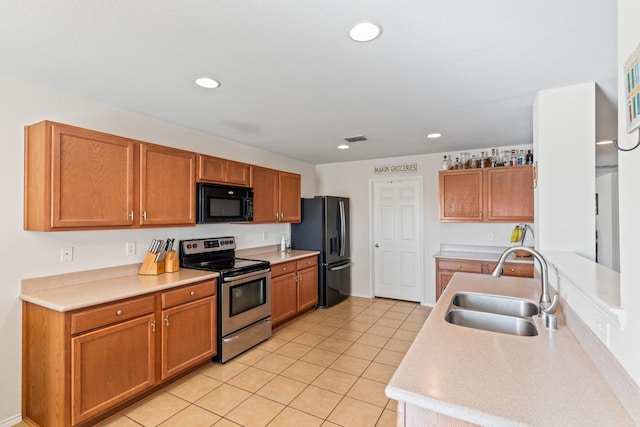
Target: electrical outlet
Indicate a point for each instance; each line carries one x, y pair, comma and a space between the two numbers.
130, 248
66, 254
490, 235
265, 236
602, 330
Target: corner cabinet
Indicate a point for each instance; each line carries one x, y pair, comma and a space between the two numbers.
502, 194
79, 179
276, 195
294, 288
82, 366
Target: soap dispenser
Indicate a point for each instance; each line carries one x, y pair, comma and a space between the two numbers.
283, 246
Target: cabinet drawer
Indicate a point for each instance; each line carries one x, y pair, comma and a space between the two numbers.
307, 262
188, 293
111, 313
519, 270
283, 268
456, 265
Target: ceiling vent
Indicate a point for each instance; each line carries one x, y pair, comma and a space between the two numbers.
356, 138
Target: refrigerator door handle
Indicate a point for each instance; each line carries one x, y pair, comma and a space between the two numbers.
342, 267
343, 228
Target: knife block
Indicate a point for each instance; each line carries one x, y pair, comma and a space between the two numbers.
171, 262
150, 267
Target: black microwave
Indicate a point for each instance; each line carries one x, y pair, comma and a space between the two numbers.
224, 203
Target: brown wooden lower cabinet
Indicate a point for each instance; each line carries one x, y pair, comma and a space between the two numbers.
83, 365
294, 288
446, 267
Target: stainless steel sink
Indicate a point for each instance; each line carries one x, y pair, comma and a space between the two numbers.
495, 304
492, 322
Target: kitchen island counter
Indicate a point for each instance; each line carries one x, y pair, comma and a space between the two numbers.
490, 378
481, 256
66, 292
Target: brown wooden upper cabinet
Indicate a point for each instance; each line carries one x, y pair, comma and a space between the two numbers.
503, 194
79, 179
222, 171
276, 195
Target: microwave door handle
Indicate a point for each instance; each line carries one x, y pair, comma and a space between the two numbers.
342, 227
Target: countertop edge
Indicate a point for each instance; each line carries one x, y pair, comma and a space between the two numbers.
54, 298
481, 256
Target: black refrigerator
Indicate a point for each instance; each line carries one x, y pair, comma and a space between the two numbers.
325, 228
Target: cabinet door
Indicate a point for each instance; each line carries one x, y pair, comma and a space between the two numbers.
188, 335
211, 169
289, 197
237, 173
510, 194
92, 179
461, 195
265, 194
307, 288
442, 280
167, 186
283, 298
110, 365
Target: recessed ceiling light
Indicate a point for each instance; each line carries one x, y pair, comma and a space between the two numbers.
604, 142
207, 83
434, 135
365, 32
343, 147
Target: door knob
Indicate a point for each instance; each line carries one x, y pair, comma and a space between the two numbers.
377, 245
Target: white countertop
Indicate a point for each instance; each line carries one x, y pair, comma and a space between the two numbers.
69, 292
276, 257
496, 379
481, 256
72, 291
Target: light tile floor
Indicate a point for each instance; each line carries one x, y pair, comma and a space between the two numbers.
328, 367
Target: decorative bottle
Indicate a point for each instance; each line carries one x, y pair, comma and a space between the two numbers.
445, 163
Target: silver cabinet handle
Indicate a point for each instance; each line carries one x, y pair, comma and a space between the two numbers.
153, 326
131, 215
192, 293
119, 313
166, 320
144, 215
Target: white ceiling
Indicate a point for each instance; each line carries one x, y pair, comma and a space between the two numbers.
294, 83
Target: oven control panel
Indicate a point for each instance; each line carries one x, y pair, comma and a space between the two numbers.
213, 244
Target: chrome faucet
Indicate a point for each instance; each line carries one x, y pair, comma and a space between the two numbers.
547, 308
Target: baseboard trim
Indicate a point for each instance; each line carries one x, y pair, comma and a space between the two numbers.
9, 422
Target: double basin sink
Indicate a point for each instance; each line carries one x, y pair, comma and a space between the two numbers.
493, 313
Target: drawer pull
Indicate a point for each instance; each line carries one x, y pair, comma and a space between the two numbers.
284, 268
192, 293
119, 313
459, 267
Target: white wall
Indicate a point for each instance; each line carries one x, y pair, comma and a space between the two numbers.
31, 254
351, 179
628, 348
607, 220
565, 122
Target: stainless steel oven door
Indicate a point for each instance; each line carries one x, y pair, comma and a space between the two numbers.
244, 300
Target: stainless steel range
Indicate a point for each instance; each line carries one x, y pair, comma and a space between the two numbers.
244, 292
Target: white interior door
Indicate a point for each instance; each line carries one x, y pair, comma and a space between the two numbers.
398, 238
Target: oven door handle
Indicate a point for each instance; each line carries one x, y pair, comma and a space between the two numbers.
246, 276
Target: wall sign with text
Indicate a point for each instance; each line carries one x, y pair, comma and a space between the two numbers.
400, 168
